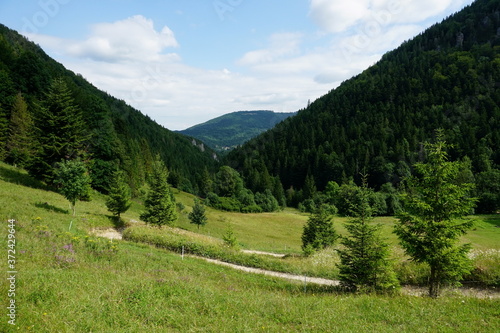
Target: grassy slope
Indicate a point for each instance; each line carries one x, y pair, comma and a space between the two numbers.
95, 285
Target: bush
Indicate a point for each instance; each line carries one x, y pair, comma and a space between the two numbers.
267, 201
252, 209
307, 206
229, 204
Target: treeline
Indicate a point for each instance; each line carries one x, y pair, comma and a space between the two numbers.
227, 191
376, 122
49, 114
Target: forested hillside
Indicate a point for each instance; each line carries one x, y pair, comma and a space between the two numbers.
233, 129
375, 123
47, 113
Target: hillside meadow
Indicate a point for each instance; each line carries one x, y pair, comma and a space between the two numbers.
71, 281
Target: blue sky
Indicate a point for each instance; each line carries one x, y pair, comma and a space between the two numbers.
183, 62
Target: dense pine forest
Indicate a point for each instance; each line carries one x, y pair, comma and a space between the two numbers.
48, 113
373, 125
376, 123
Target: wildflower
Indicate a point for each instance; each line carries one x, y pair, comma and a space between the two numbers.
69, 247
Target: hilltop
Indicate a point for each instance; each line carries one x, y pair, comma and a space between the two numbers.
233, 129
376, 122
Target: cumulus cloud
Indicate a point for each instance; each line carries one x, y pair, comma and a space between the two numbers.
133, 61
335, 16
129, 39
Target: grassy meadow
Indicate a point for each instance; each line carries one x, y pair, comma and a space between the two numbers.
68, 280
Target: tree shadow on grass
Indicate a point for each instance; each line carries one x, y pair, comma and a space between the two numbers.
51, 208
493, 219
118, 223
16, 176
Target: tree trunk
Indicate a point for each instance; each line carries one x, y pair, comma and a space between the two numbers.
434, 283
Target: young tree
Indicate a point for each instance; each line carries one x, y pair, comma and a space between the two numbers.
160, 202
197, 215
229, 238
118, 200
432, 217
20, 143
364, 262
73, 180
319, 232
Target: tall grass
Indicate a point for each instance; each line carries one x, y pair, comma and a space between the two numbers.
69, 281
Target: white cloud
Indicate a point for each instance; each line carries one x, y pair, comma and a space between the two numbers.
338, 15
130, 59
129, 39
280, 45
335, 16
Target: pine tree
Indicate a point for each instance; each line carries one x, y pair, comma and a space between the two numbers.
197, 216
61, 131
364, 263
20, 143
73, 181
206, 183
119, 195
319, 232
431, 221
160, 202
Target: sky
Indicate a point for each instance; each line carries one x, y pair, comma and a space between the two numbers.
183, 62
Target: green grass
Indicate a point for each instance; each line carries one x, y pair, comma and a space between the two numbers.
69, 282
272, 232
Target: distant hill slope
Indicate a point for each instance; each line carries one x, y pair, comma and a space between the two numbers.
120, 136
233, 129
375, 123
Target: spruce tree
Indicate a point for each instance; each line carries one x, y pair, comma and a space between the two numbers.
319, 232
160, 202
432, 219
198, 216
118, 200
364, 263
60, 130
20, 142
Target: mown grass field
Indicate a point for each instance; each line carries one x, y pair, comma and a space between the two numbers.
71, 281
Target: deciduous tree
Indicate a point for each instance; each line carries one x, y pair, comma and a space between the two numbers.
73, 180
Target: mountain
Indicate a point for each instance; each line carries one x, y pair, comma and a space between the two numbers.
112, 134
230, 130
376, 122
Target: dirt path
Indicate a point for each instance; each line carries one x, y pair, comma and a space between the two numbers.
110, 233
277, 255
406, 290
324, 282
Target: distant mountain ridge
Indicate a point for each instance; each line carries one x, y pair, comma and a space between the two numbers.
233, 129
